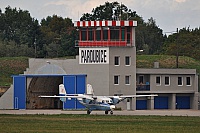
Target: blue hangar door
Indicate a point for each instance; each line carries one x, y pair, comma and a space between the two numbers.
141, 104
161, 102
74, 85
183, 102
19, 83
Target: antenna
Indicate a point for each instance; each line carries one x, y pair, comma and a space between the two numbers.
78, 16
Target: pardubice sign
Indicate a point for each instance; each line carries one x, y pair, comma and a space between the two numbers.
93, 55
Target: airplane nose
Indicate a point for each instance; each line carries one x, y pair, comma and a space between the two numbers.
112, 107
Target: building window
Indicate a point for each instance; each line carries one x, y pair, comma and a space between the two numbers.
127, 80
180, 81
127, 60
84, 34
105, 35
188, 81
114, 34
90, 34
98, 35
116, 60
122, 34
128, 35
167, 80
116, 80
158, 82
141, 79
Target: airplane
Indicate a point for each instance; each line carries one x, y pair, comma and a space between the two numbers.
92, 102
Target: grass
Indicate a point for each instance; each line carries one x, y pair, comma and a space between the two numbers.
98, 123
167, 61
11, 66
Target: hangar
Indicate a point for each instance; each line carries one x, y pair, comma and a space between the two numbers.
45, 81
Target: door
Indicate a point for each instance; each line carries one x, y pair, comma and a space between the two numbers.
141, 104
80, 89
161, 102
183, 102
70, 85
19, 83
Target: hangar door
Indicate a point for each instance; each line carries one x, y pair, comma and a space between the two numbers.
74, 85
141, 104
183, 102
19, 83
161, 102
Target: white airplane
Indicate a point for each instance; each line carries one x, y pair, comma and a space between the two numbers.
92, 102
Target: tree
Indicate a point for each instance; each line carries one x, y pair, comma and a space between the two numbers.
186, 42
57, 36
18, 26
148, 35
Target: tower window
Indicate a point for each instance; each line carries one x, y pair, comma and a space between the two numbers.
127, 80
127, 61
116, 60
116, 80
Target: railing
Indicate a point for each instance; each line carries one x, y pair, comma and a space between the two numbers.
143, 87
114, 43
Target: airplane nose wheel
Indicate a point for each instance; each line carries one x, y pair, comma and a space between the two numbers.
88, 112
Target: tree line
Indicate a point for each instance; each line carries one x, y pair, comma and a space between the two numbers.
54, 36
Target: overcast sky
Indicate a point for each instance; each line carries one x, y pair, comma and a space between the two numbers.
169, 14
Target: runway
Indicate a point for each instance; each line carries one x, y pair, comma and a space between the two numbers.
124, 112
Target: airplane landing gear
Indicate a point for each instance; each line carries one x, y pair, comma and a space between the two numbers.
111, 112
88, 112
106, 112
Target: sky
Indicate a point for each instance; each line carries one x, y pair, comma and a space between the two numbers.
168, 14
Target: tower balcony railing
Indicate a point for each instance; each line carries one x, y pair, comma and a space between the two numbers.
143, 87
104, 43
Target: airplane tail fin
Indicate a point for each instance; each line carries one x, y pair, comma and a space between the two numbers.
62, 92
90, 90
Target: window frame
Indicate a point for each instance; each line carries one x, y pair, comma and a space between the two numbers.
158, 84
129, 60
187, 81
116, 76
127, 83
118, 60
84, 33
168, 80
180, 80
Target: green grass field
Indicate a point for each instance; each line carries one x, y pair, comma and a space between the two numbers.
98, 124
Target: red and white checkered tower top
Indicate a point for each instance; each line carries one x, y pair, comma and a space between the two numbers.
129, 23
106, 33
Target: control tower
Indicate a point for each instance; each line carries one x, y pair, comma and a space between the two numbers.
107, 53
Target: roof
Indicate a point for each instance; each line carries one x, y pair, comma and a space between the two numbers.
115, 23
50, 69
165, 71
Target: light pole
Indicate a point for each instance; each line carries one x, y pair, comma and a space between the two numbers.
176, 45
177, 48
35, 48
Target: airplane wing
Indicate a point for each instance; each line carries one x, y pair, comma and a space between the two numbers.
66, 96
69, 96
